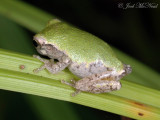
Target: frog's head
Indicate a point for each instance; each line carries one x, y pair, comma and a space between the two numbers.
40, 44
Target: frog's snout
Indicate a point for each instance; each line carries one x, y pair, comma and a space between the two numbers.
39, 40
128, 69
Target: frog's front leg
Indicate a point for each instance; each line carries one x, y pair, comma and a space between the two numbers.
51, 66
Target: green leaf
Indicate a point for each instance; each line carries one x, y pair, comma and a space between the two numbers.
134, 99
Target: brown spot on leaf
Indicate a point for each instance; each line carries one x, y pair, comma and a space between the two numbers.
21, 67
140, 114
137, 103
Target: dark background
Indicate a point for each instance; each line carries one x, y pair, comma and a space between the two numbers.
134, 31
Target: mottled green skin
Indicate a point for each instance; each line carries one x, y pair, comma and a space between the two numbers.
80, 46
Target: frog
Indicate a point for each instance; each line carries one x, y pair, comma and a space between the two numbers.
85, 55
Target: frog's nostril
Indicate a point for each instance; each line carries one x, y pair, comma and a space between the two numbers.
35, 43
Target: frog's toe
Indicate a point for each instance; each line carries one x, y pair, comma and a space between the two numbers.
39, 69
67, 83
73, 81
75, 93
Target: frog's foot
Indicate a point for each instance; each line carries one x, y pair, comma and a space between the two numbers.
46, 63
39, 69
67, 83
51, 66
75, 93
72, 85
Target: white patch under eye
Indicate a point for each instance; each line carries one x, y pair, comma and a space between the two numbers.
43, 52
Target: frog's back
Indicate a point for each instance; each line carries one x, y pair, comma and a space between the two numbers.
80, 46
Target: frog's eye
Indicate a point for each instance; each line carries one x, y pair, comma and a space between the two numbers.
35, 43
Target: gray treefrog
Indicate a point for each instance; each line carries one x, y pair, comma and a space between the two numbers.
86, 56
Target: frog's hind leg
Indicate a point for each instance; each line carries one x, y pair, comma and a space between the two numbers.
51, 66
72, 85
